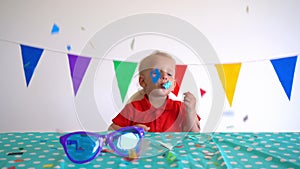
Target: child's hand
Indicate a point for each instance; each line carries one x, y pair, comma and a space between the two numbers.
146, 128
190, 102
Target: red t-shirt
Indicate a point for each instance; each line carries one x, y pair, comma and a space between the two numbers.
170, 117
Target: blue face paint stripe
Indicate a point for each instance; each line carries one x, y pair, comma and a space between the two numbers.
155, 77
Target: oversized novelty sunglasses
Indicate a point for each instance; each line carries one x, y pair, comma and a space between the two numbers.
82, 147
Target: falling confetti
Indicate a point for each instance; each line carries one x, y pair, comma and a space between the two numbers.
230, 127
69, 47
202, 92
55, 29
132, 44
245, 118
92, 44
247, 9
228, 113
82, 28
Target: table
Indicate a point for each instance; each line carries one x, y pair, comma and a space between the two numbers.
35, 150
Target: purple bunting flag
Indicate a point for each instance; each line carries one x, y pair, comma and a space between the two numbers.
78, 66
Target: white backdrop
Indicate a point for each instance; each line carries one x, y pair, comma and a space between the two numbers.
270, 29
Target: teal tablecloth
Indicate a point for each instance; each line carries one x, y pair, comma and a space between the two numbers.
193, 150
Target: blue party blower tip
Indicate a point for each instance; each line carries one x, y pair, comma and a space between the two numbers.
167, 85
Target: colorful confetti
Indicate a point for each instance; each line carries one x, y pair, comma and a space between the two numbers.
171, 156
245, 118
55, 29
228, 113
18, 160
14, 153
202, 92
132, 44
47, 165
69, 47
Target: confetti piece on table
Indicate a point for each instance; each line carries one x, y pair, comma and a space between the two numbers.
55, 29
47, 165
18, 160
169, 136
192, 137
198, 145
171, 156
12, 167
179, 146
107, 151
216, 163
245, 118
15, 153
21, 148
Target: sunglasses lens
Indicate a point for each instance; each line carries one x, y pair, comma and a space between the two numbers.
82, 147
127, 142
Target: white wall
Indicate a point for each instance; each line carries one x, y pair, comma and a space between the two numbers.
270, 29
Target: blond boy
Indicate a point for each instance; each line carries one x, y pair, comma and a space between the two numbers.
155, 111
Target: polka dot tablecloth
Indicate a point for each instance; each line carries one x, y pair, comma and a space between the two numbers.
192, 150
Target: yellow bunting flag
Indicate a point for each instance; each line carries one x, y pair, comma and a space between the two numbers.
229, 74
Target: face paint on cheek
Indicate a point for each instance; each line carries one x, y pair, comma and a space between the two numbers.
167, 85
155, 75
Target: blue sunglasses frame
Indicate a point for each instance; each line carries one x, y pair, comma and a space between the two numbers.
102, 140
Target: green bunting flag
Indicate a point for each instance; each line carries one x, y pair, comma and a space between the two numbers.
124, 73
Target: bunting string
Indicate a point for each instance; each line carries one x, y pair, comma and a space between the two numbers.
124, 70
112, 59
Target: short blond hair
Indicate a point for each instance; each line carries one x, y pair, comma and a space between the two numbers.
148, 60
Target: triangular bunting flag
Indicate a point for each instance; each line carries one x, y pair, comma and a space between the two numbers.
285, 68
30, 57
229, 74
124, 73
180, 71
78, 66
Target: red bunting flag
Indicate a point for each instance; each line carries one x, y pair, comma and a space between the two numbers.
180, 71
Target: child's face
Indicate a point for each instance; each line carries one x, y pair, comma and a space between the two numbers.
166, 68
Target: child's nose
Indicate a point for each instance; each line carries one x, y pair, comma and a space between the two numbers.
164, 75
